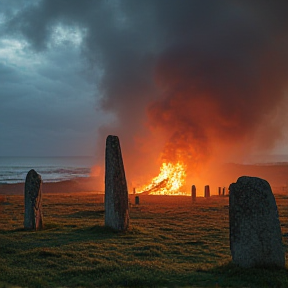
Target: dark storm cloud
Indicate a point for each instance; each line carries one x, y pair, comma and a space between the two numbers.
117, 47
202, 71
40, 111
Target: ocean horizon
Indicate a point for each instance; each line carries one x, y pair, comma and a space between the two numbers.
13, 170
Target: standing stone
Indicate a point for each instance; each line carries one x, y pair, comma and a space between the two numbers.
207, 191
137, 200
116, 192
224, 191
219, 191
193, 192
33, 217
255, 233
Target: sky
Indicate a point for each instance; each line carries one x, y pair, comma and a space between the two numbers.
49, 102
189, 80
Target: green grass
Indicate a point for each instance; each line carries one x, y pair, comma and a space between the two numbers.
171, 242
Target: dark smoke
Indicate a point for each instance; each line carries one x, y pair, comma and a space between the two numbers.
192, 80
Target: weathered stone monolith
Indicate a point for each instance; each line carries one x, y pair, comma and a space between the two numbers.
224, 191
255, 233
137, 200
33, 217
193, 193
219, 191
207, 191
116, 192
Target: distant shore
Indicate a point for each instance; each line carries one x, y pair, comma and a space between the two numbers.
70, 186
275, 173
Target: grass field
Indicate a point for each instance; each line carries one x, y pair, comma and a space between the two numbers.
171, 243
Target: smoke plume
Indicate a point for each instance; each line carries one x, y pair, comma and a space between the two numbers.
198, 81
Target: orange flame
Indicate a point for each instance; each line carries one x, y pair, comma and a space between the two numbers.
169, 181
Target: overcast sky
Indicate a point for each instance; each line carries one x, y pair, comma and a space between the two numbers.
72, 72
49, 100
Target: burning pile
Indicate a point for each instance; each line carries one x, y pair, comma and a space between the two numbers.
169, 181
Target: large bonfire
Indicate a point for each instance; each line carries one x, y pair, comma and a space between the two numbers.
169, 181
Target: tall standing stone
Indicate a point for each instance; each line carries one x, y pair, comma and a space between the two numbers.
33, 217
116, 192
193, 193
207, 191
255, 233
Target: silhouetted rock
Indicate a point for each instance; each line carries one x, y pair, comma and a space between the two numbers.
255, 233
33, 217
207, 191
219, 191
193, 192
137, 200
116, 192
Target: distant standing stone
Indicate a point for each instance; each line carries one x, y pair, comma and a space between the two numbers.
207, 191
255, 233
193, 193
219, 191
116, 192
137, 200
33, 217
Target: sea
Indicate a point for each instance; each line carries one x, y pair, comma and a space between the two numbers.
52, 169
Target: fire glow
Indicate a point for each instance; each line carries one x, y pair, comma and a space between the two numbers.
169, 181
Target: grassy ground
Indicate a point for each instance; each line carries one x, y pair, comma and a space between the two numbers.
171, 243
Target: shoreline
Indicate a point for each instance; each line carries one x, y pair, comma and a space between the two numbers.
89, 184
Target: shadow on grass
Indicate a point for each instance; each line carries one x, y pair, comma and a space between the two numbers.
47, 227
53, 235
97, 230
58, 234
73, 233
229, 274
87, 214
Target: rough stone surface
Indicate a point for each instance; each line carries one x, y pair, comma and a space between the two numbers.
207, 191
255, 233
33, 217
193, 192
116, 192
